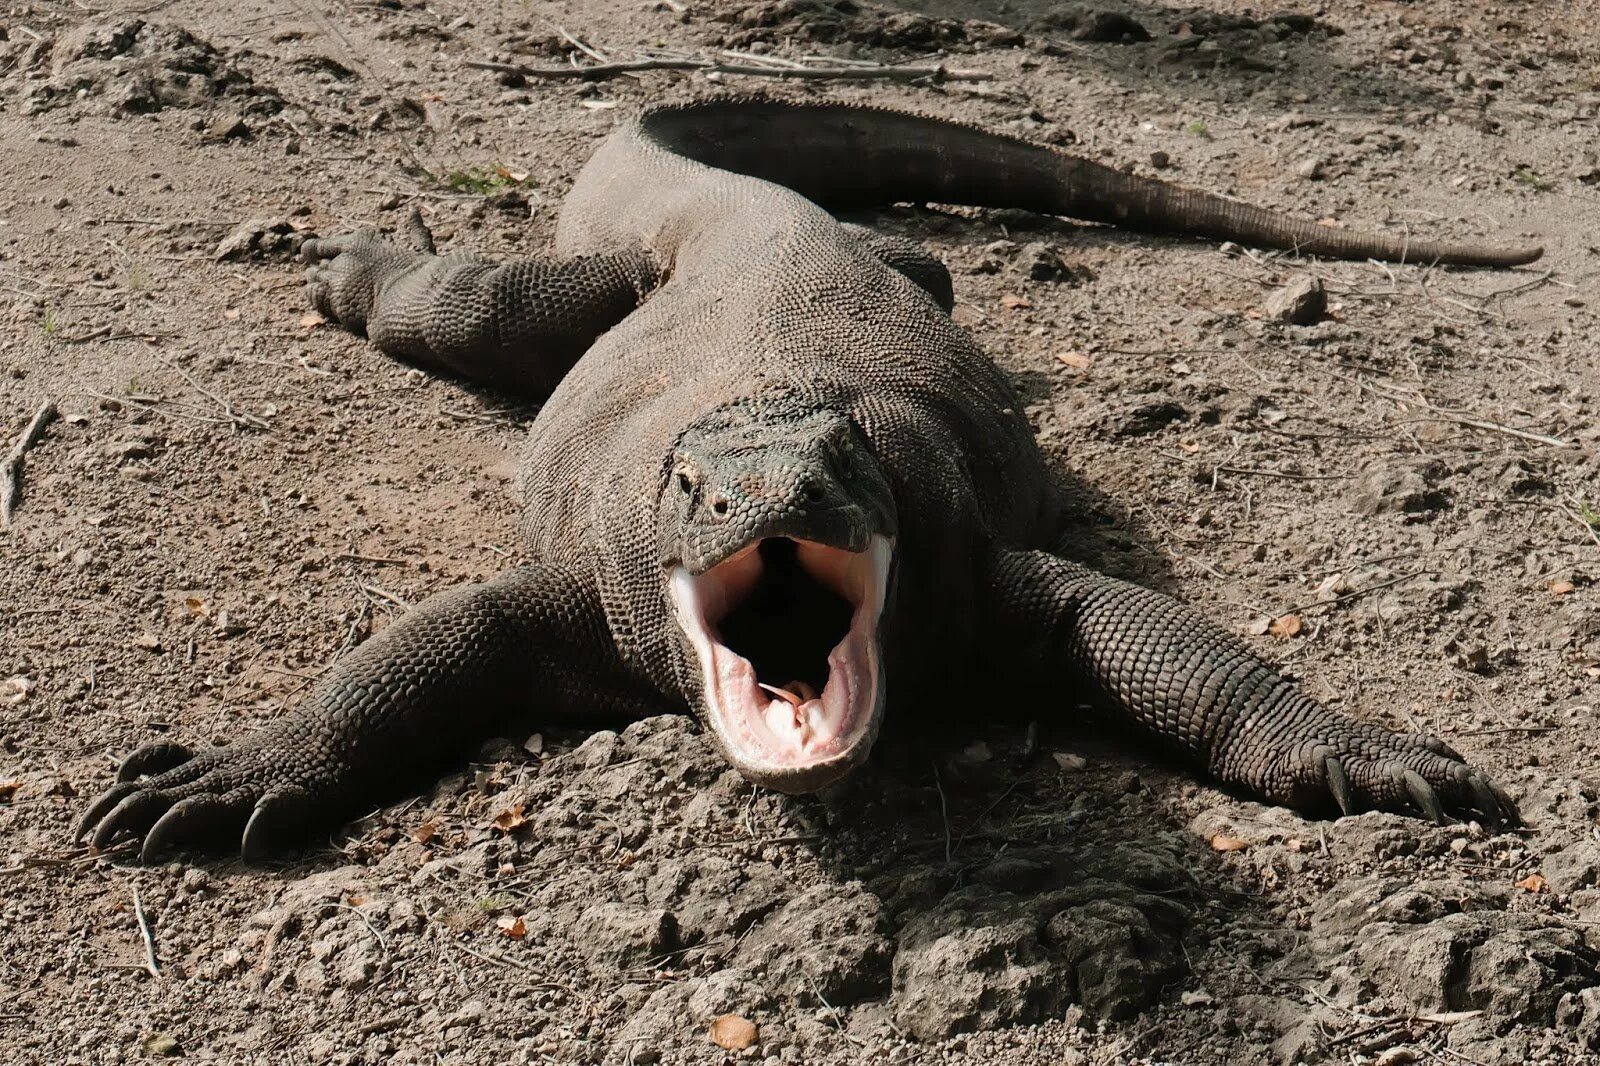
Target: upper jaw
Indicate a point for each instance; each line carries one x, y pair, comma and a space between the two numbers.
776, 734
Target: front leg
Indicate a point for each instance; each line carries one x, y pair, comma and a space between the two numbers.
514, 326
399, 706
1193, 686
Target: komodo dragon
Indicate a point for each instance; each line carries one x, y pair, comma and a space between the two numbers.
774, 485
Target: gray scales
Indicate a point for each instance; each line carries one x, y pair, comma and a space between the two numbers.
773, 485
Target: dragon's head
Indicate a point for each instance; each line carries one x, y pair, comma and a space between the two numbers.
777, 552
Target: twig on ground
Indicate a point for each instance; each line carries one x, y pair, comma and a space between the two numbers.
358, 557
593, 53
1588, 526
1460, 418
148, 403
1354, 594
85, 338
384, 594
11, 469
237, 417
144, 933
602, 71
944, 812
1258, 472
383, 1024
1485, 424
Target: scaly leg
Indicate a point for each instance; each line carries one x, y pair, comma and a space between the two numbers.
1186, 682
514, 326
400, 705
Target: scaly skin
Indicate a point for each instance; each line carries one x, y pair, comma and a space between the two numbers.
721, 362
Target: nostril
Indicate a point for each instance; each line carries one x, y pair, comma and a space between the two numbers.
719, 505
813, 491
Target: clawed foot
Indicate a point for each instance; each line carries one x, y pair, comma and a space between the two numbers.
167, 797
1362, 767
346, 274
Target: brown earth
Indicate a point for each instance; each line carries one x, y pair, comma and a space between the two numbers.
234, 495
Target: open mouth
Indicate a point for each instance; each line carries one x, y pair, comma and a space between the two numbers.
786, 632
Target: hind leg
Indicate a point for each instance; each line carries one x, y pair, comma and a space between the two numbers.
515, 326
909, 258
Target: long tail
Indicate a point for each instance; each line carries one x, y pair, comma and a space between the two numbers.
843, 156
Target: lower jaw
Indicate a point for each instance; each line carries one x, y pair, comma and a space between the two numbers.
803, 780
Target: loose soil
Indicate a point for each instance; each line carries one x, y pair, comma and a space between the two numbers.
1397, 500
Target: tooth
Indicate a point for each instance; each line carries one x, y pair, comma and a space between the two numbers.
786, 693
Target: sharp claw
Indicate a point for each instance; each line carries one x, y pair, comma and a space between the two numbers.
1484, 799
153, 759
1508, 806
98, 810
268, 817
1339, 785
1424, 796
184, 821
133, 815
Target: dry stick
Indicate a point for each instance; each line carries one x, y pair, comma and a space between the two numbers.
238, 418
144, 932
11, 470
1588, 527
1447, 415
944, 813
602, 71
1355, 594
1493, 427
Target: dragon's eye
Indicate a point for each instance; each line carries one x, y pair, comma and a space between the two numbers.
685, 484
844, 464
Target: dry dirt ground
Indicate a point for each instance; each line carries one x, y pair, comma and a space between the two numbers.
1398, 501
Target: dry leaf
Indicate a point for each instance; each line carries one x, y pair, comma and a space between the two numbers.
1012, 302
9, 788
311, 320
196, 606
1224, 842
1077, 360
159, 1044
515, 928
733, 1032
1396, 1056
13, 690
355, 901
1068, 761
1259, 625
231, 314
1560, 588
1329, 222
534, 744
426, 831
1533, 883
1188, 447
1332, 587
1285, 626
510, 819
